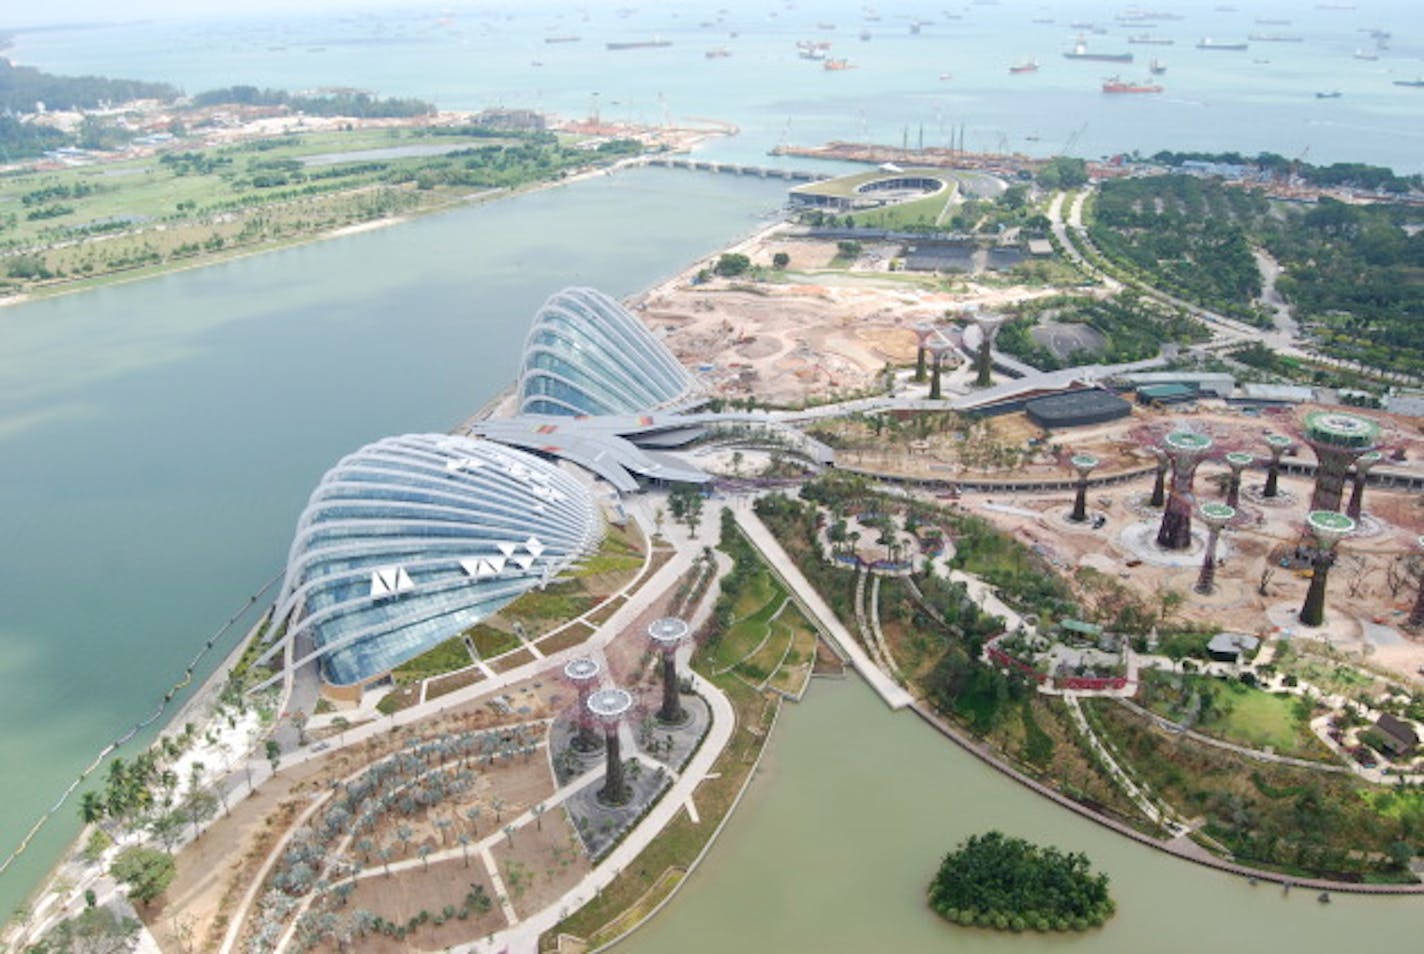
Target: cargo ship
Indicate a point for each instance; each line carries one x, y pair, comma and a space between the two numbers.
1366, 56
1275, 38
1080, 52
1143, 39
1027, 66
1414, 83
565, 38
654, 43
834, 65
1207, 43
721, 53
1115, 85
1332, 94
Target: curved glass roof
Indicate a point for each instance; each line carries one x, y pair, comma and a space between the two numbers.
413, 539
588, 355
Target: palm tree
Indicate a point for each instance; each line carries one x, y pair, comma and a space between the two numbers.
424, 852
538, 811
91, 808
464, 841
444, 825
473, 814
509, 833
403, 832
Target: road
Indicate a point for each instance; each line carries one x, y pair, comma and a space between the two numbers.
1284, 339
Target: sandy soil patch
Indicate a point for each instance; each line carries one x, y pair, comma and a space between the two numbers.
401, 898
543, 862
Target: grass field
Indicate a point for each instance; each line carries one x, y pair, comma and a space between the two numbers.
74, 227
1236, 713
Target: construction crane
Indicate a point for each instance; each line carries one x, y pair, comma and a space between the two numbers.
1072, 140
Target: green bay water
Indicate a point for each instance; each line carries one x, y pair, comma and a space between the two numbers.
158, 439
854, 806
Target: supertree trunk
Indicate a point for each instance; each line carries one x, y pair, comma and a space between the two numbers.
1080, 502
934, 380
1206, 579
1233, 490
985, 364
1312, 613
1416, 616
1273, 479
1175, 533
920, 365
615, 789
671, 712
1330, 473
1159, 489
1357, 497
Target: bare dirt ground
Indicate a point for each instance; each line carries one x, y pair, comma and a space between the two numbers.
543, 862
788, 342
398, 899
214, 870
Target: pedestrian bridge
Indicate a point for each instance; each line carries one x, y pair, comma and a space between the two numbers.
732, 168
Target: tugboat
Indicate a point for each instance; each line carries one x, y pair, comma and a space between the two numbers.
1332, 94
835, 65
1156, 67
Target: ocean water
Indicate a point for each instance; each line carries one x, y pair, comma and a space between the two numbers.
903, 87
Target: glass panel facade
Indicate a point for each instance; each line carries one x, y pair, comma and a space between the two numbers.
433, 505
587, 354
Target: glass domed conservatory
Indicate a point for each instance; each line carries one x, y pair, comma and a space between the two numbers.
588, 355
414, 539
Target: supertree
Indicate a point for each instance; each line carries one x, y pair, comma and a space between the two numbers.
938, 347
1159, 484
1328, 528
1363, 465
1338, 440
1238, 462
583, 673
1416, 616
1277, 444
923, 332
1083, 464
989, 326
1215, 516
609, 706
666, 635
1185, 449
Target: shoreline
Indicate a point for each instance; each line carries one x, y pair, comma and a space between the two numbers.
125, 277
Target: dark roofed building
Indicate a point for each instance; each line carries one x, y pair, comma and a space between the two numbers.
1396, 735
1230, 647
1077, 408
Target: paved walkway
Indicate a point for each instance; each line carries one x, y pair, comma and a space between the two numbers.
781, 564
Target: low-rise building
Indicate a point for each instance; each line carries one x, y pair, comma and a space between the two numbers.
1231, 647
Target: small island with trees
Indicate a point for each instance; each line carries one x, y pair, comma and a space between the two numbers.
1008, 884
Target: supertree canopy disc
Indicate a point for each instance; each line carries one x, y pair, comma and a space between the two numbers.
610, 704
582, 669
668, 631
1217, 514
1329, 527
1337, 429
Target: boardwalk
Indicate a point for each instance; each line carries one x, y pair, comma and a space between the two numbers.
825, 619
